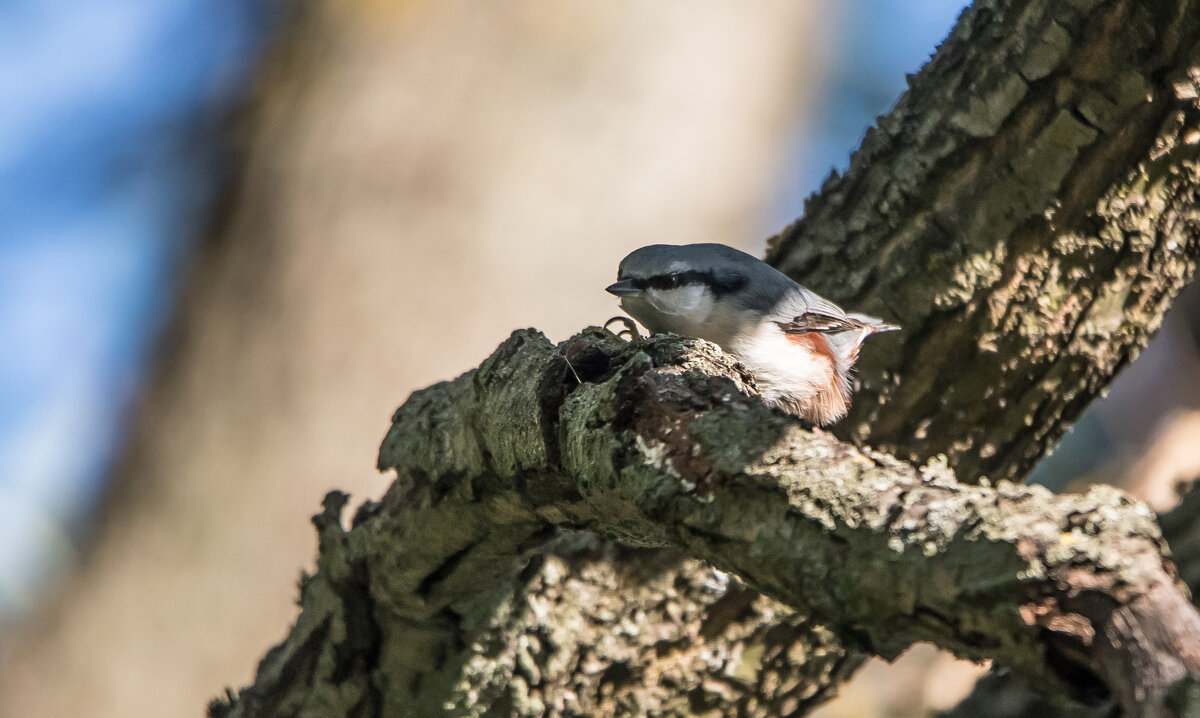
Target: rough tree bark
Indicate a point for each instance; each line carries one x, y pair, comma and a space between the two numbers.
1001, 694
1026, 212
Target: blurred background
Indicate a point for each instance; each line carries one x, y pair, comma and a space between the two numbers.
235, 234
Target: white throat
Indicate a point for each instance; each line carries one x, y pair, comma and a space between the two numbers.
683, 310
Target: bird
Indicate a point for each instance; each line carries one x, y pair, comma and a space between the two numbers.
799, 346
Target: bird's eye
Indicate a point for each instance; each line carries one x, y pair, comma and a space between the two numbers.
673, 281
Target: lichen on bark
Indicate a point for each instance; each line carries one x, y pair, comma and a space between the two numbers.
880, 553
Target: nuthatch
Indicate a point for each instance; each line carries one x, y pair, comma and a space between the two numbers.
799, 346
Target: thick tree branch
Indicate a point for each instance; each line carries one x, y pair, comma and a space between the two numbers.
1001, 694
1026, 212
641, 451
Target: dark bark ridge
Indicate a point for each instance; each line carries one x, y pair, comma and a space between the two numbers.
1026, 213
661, 445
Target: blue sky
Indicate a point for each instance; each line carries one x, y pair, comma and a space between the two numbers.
882, 41
104, 172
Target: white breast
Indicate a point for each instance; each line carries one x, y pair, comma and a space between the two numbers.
782, 368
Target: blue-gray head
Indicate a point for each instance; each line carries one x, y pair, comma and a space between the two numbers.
664, 285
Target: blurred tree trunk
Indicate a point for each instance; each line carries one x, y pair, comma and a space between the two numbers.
1027, 213
421, 177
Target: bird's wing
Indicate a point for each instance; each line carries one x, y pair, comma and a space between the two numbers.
818, 322
806, 311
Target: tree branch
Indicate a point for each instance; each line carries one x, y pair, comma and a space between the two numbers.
1026, 213
884, 553
1000, 694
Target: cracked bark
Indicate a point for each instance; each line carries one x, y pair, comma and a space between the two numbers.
1026, 212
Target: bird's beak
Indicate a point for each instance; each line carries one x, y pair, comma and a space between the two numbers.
623, 288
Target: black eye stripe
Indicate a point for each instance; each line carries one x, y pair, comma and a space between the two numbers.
718, 284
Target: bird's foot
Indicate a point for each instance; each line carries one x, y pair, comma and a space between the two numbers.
628, 328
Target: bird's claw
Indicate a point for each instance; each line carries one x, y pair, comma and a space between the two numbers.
629, 328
